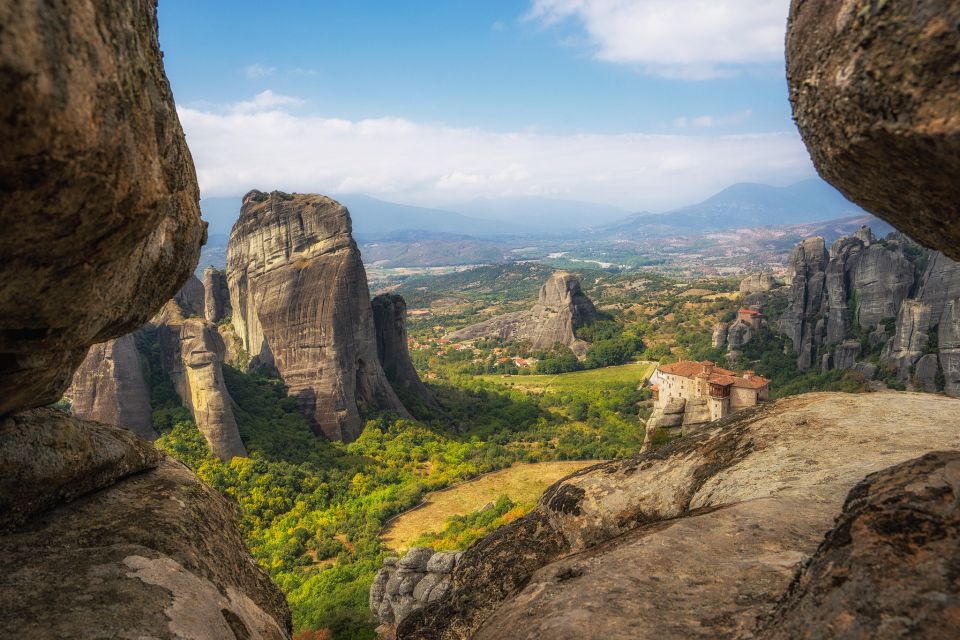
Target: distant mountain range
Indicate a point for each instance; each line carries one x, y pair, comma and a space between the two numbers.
740, 205
746, 204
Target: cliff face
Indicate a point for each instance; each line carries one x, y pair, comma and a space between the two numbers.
702, 535
808, 263
875, 85
95, 147
109, 387
561, 309
216, 297
860, 282
100, 534
390, 320
300, 303
193, 352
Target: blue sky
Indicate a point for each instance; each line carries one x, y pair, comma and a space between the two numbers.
644, 104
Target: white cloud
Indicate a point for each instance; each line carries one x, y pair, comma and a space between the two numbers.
709, 121
265, 101
256, 71
261, 144
693, 39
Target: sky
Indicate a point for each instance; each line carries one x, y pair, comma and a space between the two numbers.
641, 104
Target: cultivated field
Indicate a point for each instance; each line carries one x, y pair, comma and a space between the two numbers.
522, 482
635, 373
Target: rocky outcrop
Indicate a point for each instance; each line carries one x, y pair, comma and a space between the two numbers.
100, 212
107, 537
925, 373
109, 387
390, 322
192, 352
699, 537
719, 338
300, 303
863, 283
910, 340
406, 584
873, 84
191, 297
875, 573
949, 343
561, 309
216, 296
757, 283
940, 285
808, 264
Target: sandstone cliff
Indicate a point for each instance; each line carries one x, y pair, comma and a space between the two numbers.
390, 320
216, 296
696, 539
757, 283
109, 387
561, 309
192, 352
100, 535
100, 211
300, 303
875, 88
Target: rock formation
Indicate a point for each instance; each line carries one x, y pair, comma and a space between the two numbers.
406, 584
191, 297
192, 352
757, 283
100, 210
865, 283
300, 303
390, 322
949, 343
888, 552
874, 88
109, 387
561, 309
719, 337
107, 537
100, 534
216, 296
700, 536
808, 264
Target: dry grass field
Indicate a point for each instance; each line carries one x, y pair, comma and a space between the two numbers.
522, 482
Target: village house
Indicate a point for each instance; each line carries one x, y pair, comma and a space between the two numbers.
721, 390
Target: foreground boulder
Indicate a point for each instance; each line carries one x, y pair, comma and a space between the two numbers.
390, 320
100, 535
696, 539
561, 309
99, 205
888, 567
114, 539
300, 303
875, 88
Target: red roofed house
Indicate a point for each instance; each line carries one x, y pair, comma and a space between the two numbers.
723, 390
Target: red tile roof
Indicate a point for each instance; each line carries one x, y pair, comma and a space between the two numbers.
714, 374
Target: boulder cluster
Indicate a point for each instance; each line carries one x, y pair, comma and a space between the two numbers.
409, 583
